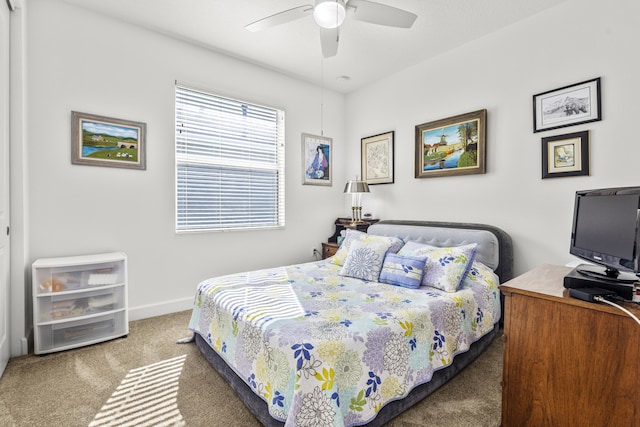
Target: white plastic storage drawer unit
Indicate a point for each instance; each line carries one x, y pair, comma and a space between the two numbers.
79, 300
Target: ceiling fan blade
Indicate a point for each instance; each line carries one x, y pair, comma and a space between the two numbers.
280, 18
329, 38
381, 14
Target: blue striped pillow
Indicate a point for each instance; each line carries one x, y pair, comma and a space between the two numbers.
405, 271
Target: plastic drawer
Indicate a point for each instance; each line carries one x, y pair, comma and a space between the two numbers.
68, 278
75, 333
67, 305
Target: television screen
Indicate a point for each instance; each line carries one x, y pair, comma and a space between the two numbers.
605, 222
605, 228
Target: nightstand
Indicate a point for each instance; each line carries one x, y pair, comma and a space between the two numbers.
567, 362
344, 223
329, 249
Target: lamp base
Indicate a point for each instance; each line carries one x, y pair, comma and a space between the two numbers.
356, 215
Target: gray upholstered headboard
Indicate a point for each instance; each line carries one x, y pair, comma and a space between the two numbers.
494, 245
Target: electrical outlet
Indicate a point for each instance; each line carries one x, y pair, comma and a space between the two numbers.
314, 251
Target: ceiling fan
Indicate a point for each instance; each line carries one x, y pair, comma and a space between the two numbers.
330, 14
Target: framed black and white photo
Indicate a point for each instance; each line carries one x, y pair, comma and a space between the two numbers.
567, 106
565, 155
377, 158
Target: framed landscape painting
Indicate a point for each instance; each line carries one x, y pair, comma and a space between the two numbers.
567, 106
105, 141
451, 146
317, 159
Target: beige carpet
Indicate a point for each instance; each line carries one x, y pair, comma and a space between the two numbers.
148, 379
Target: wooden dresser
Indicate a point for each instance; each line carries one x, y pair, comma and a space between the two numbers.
329, 249
567, 362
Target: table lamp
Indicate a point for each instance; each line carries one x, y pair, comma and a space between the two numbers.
356, 188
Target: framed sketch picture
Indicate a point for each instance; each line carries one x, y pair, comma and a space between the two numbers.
567, 106
565, 155
377, 158
105, 141
317, 158
451, 146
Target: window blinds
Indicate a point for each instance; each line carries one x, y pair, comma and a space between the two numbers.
229, 163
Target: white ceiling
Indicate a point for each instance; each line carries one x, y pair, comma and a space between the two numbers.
367, 52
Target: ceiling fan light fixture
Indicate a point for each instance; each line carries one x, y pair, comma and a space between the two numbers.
329, 13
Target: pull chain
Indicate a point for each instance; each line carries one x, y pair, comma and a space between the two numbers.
321, 96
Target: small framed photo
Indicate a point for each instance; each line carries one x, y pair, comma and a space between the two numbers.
105, 141
377, 158
565, 155
570, 105
317, 158
452, 146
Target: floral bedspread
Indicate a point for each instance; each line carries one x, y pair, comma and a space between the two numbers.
326, 350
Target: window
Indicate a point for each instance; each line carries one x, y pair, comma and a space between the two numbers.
229, 163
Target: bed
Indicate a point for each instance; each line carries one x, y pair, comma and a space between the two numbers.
358, 338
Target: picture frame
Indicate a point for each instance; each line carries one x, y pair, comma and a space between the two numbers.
567, 106
565, 155
107, 141
377, 158
451, 146
317, 159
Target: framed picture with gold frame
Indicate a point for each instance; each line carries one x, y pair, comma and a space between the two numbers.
565, 155
452, 146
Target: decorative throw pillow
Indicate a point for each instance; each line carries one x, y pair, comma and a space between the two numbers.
395, 243
364, 260
445, 268
405, 271
478, 272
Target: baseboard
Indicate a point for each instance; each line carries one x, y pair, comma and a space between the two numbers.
153, 310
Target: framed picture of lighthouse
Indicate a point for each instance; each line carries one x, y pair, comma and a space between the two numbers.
451, 146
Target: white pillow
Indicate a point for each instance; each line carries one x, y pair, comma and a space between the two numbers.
445, 268
395, 243
364, 260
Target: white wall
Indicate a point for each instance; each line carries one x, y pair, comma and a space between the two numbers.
574, 42
78, 60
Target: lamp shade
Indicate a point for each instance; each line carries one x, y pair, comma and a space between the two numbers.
329, 13
356, 187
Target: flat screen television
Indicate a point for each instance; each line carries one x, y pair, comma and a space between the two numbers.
605, 231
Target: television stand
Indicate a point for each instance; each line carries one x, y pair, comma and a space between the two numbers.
585, 276
567, 362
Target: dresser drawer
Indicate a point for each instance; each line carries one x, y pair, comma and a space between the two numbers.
329, 250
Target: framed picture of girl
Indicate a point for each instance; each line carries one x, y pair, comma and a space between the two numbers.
317, 159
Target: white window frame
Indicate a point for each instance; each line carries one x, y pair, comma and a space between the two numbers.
230, 170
